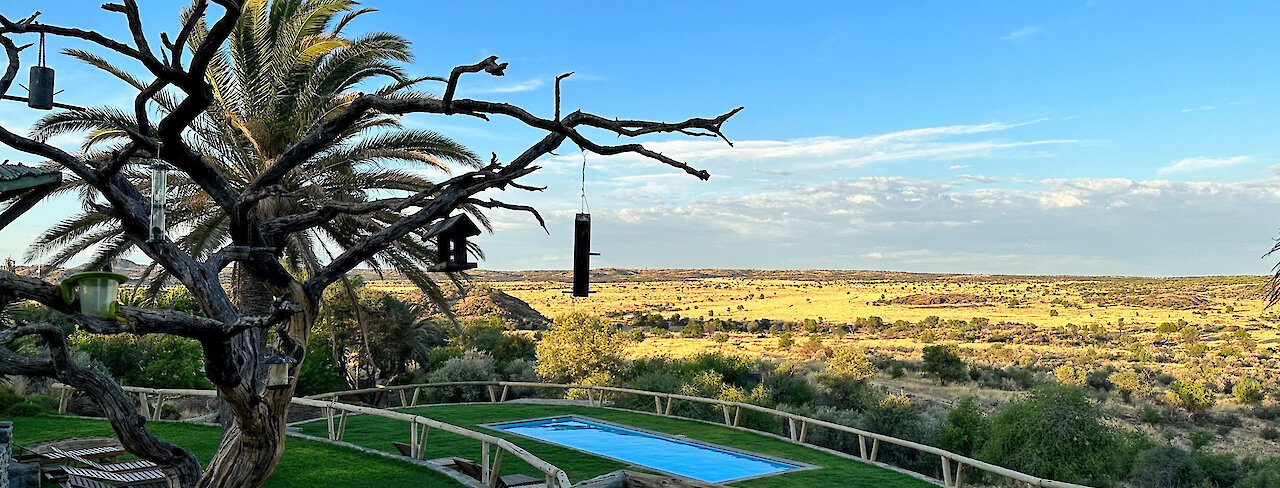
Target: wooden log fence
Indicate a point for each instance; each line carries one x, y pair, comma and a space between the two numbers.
952, 465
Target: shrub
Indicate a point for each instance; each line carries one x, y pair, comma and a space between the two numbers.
1169, 467
1150, 415
1269, 433
511, 347
579, 345
473, 366
1130, 383
1069, 375
965, 430
1248, 392
944, 362
1261, 474
895, 369
1200, 438
1192, 396
24, 409
785, 341
320, 373
152, 361
1056, 433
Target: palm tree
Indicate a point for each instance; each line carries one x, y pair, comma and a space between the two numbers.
287, 68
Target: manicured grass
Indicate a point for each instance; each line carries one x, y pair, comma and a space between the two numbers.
379, 433
305, 463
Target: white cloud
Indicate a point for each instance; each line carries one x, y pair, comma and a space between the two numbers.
1202, 163
1202, 108
512, 87
1022, 33
943, 143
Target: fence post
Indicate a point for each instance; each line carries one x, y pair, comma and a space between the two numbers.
657, 405
791, 422
328, 417
414, 401
413, 440
484, 461
403, 401
342, 425
504, 392
159, 407
946, 472
146, 405
959, 474
493, 395
669, 400
591, 399
875, 449
737, 415
63, 397
494, 473
422, 444
862, 446
727, 420
804, 429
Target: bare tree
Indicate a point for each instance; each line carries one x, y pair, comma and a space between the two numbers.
251, 447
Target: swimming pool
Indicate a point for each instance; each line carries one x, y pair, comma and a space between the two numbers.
702, 462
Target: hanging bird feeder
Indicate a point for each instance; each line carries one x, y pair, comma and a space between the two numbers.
97, 291
278, 371
451, 243
159, 189
582, 255
40, 94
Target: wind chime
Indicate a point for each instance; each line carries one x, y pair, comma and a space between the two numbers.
40, 94
582, 242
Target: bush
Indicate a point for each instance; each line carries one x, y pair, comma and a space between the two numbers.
1200, 438
1130, 383
1269, 433
1248, 392
965, 430
151, 361
23, 409
471, 367
944, 362
577, 346
1169, 467
1192, 396
1056, 433
785, 341
510, 348
1150, 415
320, 373
1261, 474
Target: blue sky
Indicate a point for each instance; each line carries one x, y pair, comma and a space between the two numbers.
1097, 137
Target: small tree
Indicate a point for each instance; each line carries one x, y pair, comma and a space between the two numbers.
1130, 383
1056, 433
965, 430
1193, 396
578, 346
944, 362
1248, 392
848, 364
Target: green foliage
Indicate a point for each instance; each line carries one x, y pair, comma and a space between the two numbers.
473, 366
513, 347
1192, 396
895, 369
578, 346
320, 372
1169, 467
480, 334
1248, 392
152, 361
1201, 438
965, 430
1130, 383
785, 341
1261, 474
1056, 433
944, 362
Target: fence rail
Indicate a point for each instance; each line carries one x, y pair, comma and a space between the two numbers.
797, 426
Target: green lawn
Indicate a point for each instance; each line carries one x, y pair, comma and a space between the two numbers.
305, 463
378, 433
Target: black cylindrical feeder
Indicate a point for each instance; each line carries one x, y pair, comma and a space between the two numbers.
582, 255
40, 94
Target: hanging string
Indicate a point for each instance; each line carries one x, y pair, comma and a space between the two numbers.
584, 207
40, 55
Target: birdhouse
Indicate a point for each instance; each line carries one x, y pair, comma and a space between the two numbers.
582, 255
278, 371
451, 243
159, 190
97, 291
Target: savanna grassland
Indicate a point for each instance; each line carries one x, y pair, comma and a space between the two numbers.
1012, 333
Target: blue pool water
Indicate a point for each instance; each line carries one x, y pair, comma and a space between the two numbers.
674, 456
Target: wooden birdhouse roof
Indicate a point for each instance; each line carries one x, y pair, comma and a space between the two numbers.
457, 225
16, 179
